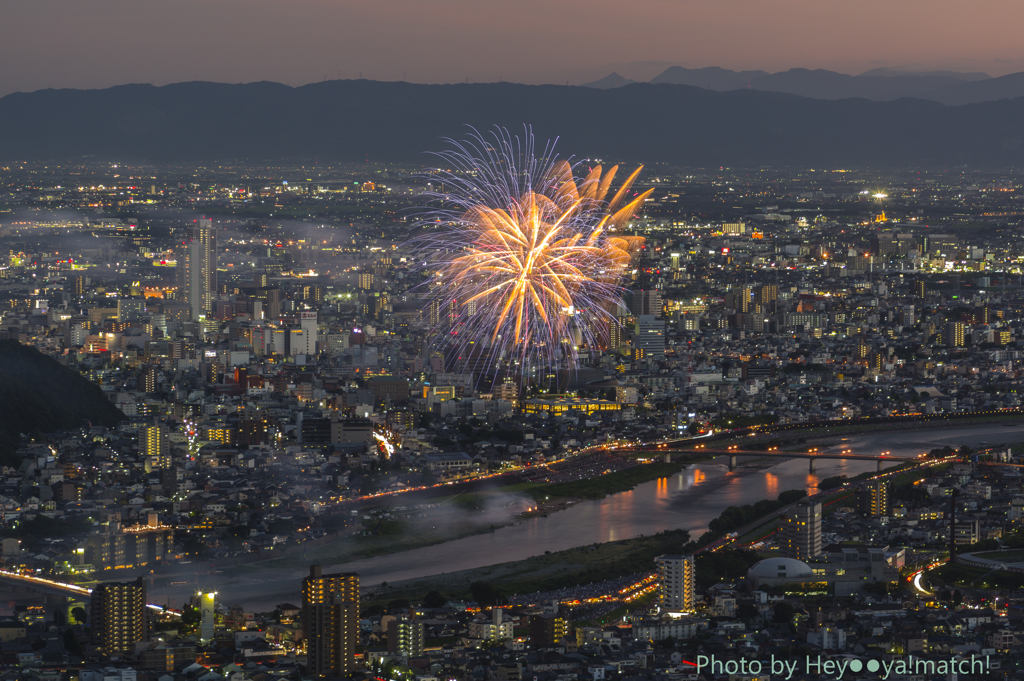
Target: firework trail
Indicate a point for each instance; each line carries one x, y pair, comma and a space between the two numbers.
522, 254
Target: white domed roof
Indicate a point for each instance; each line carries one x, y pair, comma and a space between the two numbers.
773, 568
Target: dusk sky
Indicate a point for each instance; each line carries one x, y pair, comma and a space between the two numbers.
100, 43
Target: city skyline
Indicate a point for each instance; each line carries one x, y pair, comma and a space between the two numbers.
59, 44
218, 453
697, 376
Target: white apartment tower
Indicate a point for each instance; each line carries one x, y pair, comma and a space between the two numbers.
308, 324
675, 582
800, 535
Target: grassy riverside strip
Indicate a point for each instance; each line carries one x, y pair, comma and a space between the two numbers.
393, 536
815, 432
603, 485
581, 565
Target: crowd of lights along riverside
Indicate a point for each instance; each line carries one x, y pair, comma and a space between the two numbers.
523, 253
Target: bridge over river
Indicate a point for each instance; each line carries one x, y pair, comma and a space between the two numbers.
812, 456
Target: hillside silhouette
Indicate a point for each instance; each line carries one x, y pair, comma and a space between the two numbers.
38, 395
377, 121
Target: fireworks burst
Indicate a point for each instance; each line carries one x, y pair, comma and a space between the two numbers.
523, 251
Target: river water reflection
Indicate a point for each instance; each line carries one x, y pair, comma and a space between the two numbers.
688, 500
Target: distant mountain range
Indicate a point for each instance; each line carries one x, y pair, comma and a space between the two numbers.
882, 85
360, 120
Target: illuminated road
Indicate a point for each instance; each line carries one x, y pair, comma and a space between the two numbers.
46, 583
915, 578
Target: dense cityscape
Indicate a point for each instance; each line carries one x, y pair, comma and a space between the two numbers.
258, 380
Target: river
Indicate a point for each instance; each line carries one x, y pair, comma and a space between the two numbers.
688, 500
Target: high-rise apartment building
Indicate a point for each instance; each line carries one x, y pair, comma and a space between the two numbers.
615, 334
433, 312
547, 630
156, 447
405, 636
312, 293
873, 499
800, 535
76, 284
330, 611
954, 335
197, 268
119, 615
743, 295
675, 582
149, 379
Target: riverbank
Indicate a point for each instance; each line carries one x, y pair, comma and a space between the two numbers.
601, 486
486, 511
839, 428
551, 570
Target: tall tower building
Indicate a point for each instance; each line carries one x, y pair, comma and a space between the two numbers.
119, 615
208, 615
675, 582
800, 535
197, 268
330, 612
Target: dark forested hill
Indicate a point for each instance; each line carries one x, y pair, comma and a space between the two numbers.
39, 395
359, 120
